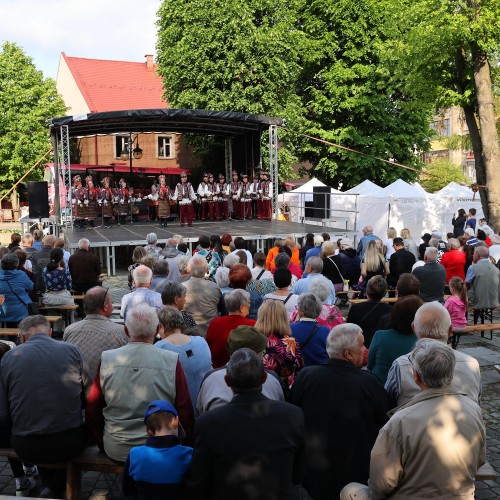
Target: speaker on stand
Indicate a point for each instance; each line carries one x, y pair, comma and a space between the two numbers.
38, 200
321, 201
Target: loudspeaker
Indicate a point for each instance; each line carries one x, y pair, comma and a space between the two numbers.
321, 200
38, 200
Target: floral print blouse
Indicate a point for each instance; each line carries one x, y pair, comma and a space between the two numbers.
283, 357
57, 280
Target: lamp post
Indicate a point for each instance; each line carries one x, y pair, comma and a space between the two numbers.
128, 153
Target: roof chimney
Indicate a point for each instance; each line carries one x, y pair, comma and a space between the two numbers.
150, 65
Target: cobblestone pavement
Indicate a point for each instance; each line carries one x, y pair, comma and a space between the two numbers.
97, 486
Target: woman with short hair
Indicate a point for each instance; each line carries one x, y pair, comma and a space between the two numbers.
239, 278
282, 280
174, 294
137, 256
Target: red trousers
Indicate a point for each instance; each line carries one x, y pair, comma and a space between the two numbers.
222, 210
245, 211
187, 213
264, 209
207, 210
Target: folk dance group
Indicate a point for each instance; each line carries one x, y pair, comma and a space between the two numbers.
214, 200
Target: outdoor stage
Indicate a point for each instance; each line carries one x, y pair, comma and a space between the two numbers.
258, 232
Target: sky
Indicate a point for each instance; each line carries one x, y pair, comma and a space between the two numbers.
123, 30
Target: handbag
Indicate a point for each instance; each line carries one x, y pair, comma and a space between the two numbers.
32, 309
345, 284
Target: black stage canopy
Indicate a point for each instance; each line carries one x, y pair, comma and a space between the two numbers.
223, 123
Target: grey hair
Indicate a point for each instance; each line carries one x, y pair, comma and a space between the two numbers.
221, 277
171, 292
198, 266
434, 362
235, 299
37, 321
178, 238
182, 263
282, 260
320, 288
434, 242
431, 253
482, 252
315, 264
160, 267
318, 239
151, 238
310, 305
230, 260
432, 321
83, 243
171, 242
245, 370
142, 275
454, 243
142, 321
342, 337
170, 318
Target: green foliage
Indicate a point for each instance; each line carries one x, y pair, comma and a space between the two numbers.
27, 100
440, 173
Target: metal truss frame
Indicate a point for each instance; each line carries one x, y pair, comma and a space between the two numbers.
273, 166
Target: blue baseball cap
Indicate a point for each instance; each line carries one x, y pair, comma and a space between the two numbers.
159, 405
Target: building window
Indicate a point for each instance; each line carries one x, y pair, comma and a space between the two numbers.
165, 147
121, 142
442, 127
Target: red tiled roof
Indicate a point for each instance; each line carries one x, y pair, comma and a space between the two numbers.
116, 85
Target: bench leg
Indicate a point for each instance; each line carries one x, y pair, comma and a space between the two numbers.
73, 482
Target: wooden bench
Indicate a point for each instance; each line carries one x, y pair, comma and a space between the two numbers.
14, 332
65, 310
387, 300
458, 332
92, 459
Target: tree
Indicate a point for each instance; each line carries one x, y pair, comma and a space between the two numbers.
351, 99
27, 100
440, 173
229, 55
444, 48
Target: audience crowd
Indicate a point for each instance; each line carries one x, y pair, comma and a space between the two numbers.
234, 374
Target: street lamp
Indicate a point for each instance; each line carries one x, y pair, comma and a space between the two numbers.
128, 153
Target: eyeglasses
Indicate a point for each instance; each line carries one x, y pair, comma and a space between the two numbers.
103, 302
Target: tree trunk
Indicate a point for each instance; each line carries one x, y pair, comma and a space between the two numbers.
489, 134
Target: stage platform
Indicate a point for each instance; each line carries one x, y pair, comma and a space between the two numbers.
256, 231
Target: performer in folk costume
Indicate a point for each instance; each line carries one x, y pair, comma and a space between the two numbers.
254, 194
234, 191
134, 197
266, 192
203, 191
245, 199
122, 200
222, 196
77, 199
153, 202
106, 202
212, 188
184, 194
90, 200
164, 196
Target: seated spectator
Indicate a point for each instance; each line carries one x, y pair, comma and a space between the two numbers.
432, 276
226, 240
313, 271
238, 306
482, 236
193, 352
159, 468
389, 243
152, 248
435, 443
27, 244
15, 287
426, 237
402, 261
471, 240
332, 265
216, 246
315, 251
212, 257
37, 239
137, 256
96, 332
160, 275
40, 259
15, 242
261, 456
85, 267
453, 260
231, 260
57, 281
282, 280
294, 268
148, 261
22, 256
222, 279
283, 354
273, 251
114, 408
239, 278
308, 244
367, 314
174, 294
310, 335
183, 265
204, 298
214, 391
399, 339
351, 263
142, 277
373, 264
171, 254
242, 256
262, 281
241, 244
60, 244
456, 305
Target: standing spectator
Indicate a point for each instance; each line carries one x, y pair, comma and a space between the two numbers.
351, 263
273, 251
238, 306
15, 287
283, 261
85, 267
282, 281
426, 237
57, 281
283, 354
308, 244
222, 279
315, 251
183, 264
40, 259
115, 405
409, 242
453, 260
332, 265
432, 277
457, 303
389, 242
330, 315
262, 456
459, 223
226, 240
171, 254
96, 332
138, 254
15, 242
290, 243
193, 352
213, 258
365, 239
43, 386
60, 244
401, 262
37, 239
241, 244
142, 277
344, 409
471, 219
259, 271
174, 294
27, 244
152, 247
373, 264
204, 298
471, 240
